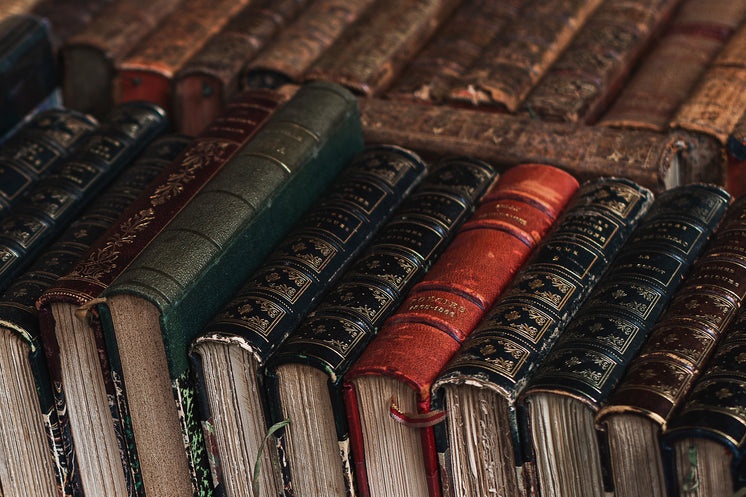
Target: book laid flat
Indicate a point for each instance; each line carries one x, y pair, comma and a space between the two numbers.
590, 71
147, 72
581, 370
211, 77
522, 53
89, 57
232, 348
304, 375
165, 297
480, 447
443, 62
38, 146
372, 52
676, 61
287, 58
395, 372
674, 355
654, 160
30, 399
95, 418
57, 199
28, 68
704, 440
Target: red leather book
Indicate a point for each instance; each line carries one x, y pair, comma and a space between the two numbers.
394, 374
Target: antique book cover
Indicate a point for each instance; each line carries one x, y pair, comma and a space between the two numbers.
581, 370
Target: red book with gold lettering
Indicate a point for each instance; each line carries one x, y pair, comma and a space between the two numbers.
395, 450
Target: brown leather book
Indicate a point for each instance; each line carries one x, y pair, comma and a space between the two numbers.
301, 43
210, 78
591, 70
669, 72
719, 99
147, 72
372, 52
442, 63
516, 59
655, 160
89, 57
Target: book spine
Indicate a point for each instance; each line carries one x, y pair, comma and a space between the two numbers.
17, 306
442, 309
56, 200
365, 61
677, 60
302, 42
350, 314
594, 66
211, 77
36, 148
520, 55
680, 343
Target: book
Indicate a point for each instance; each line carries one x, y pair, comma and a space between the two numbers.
674, 355
28, 68
657, 161
57, 199
304, 376
735, 150
37, 458
39, 145
70, 325
211, 77
669, 71
365, 61
67, 18
158, 305
510, 66
479, 445
443, 62
89, 57
147, 72
564, 394
276, 298
703, 441
395, 372
287, 58
592, 68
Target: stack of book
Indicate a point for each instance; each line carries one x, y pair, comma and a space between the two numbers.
372, 247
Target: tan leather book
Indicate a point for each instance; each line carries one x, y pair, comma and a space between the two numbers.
372, 52
668, 73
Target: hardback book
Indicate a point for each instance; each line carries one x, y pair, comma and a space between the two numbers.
69, 17
672, 358
231, 350
521, 54
211, 77
147, 72
304, 376
735, 148
90, 56
96, 419
45, 210
657, 161
372, 52
716, 103
37, 458
703, 442
287, 58
160, 303
443, 62
590, 71
479, 445
561, 399
28, 68
43, 142
393, 375
669, 71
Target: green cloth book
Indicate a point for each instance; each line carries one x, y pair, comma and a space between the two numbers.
155, 308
